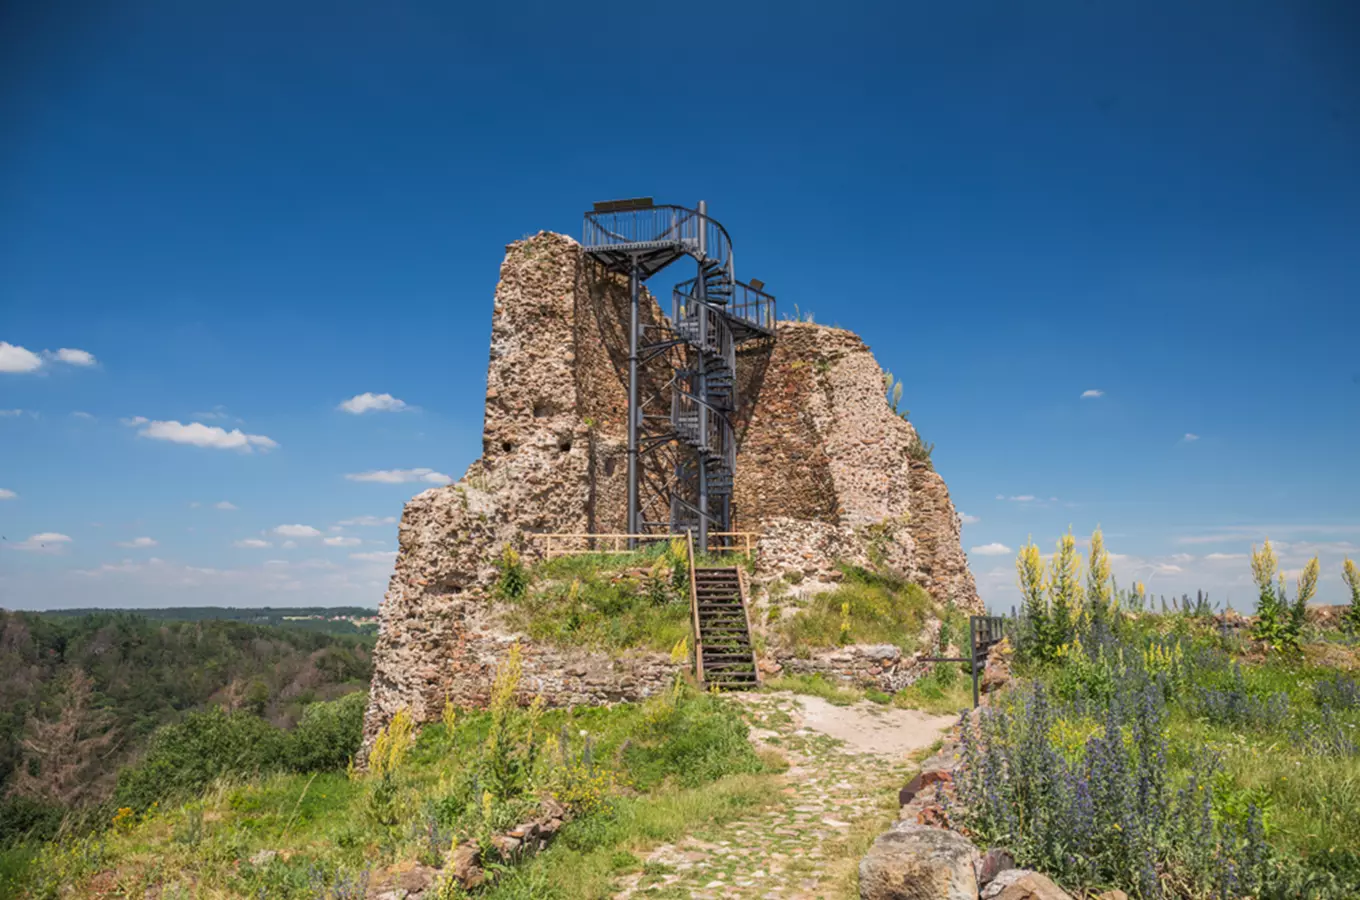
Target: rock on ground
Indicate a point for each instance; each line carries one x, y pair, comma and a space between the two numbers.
916, 862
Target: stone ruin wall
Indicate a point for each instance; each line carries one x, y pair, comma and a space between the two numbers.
822, 463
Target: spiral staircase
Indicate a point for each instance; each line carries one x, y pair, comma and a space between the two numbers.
711, 314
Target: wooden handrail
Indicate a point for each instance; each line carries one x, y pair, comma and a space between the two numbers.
746, 610
694, 613
617, 541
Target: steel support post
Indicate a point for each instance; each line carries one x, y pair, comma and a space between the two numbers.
634, 417
701, 378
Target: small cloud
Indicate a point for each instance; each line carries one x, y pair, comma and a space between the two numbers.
81, 414
339, 541
6, 413
7, 494
968, 520
1166, 569
73, 357
375, 555
1092, 394
138, 542
1189, 438
401, 476
370, 402
289, 545
992, 549
274, 563
294, 531
45, 542
252, 544
1017, 498
199, 435
369, 520
224, 504
16, 359
1224, 557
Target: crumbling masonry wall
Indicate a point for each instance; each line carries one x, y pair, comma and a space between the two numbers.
823, 473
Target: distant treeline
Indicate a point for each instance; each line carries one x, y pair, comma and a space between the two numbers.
80, 693
328, 619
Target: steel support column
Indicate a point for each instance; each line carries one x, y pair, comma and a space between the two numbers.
634, 415
701, 378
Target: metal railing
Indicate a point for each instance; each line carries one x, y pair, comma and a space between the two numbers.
610, 543
749, 305
700, 235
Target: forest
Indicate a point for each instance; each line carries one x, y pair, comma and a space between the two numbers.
83, 695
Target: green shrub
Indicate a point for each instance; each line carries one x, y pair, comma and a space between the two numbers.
328, 735
23, 818
514, 578
186, 756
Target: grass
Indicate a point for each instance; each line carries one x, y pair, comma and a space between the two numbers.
664, 766
590, 854
612, 601
945, 691
865, 608
816, 686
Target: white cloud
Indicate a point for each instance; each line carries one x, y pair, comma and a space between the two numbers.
992, 549
370, 402
294, 531
252, 544
369, 520
375, 555
18, 359
1224, 557
138, 542
199, 435
1092, 394
224, 504
1166, 569
81, 414
73, 357
288, 545
1018, 498
5, 413
968, 520
45, 542
7, 494
15, 359
1189, 438
401, 476
339, 541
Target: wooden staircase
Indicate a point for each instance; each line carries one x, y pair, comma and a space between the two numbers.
724, 657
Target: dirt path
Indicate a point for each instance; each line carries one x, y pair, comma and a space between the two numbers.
846, 765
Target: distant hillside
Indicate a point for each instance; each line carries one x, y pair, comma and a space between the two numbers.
80, 692
328, 619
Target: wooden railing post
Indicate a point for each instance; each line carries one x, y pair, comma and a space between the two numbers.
694, 612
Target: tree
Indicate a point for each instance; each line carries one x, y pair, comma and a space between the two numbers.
64, 750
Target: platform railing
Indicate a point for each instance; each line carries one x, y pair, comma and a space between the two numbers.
657, 224
578, 543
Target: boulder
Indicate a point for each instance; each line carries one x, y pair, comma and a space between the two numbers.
1022, 884
997, 672
916, 862
464, 866
993, 863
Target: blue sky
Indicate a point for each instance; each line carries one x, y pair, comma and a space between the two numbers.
245, 214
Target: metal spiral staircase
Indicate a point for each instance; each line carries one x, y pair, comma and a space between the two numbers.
711, 314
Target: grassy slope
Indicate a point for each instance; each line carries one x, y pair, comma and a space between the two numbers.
673, 765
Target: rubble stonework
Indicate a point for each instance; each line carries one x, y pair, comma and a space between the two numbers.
823, 472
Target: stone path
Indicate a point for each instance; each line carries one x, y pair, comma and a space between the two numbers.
846, 765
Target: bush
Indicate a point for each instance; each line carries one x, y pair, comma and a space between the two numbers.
187, 756
328, 735
23, 818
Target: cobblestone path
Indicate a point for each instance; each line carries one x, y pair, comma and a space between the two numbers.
839, 794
